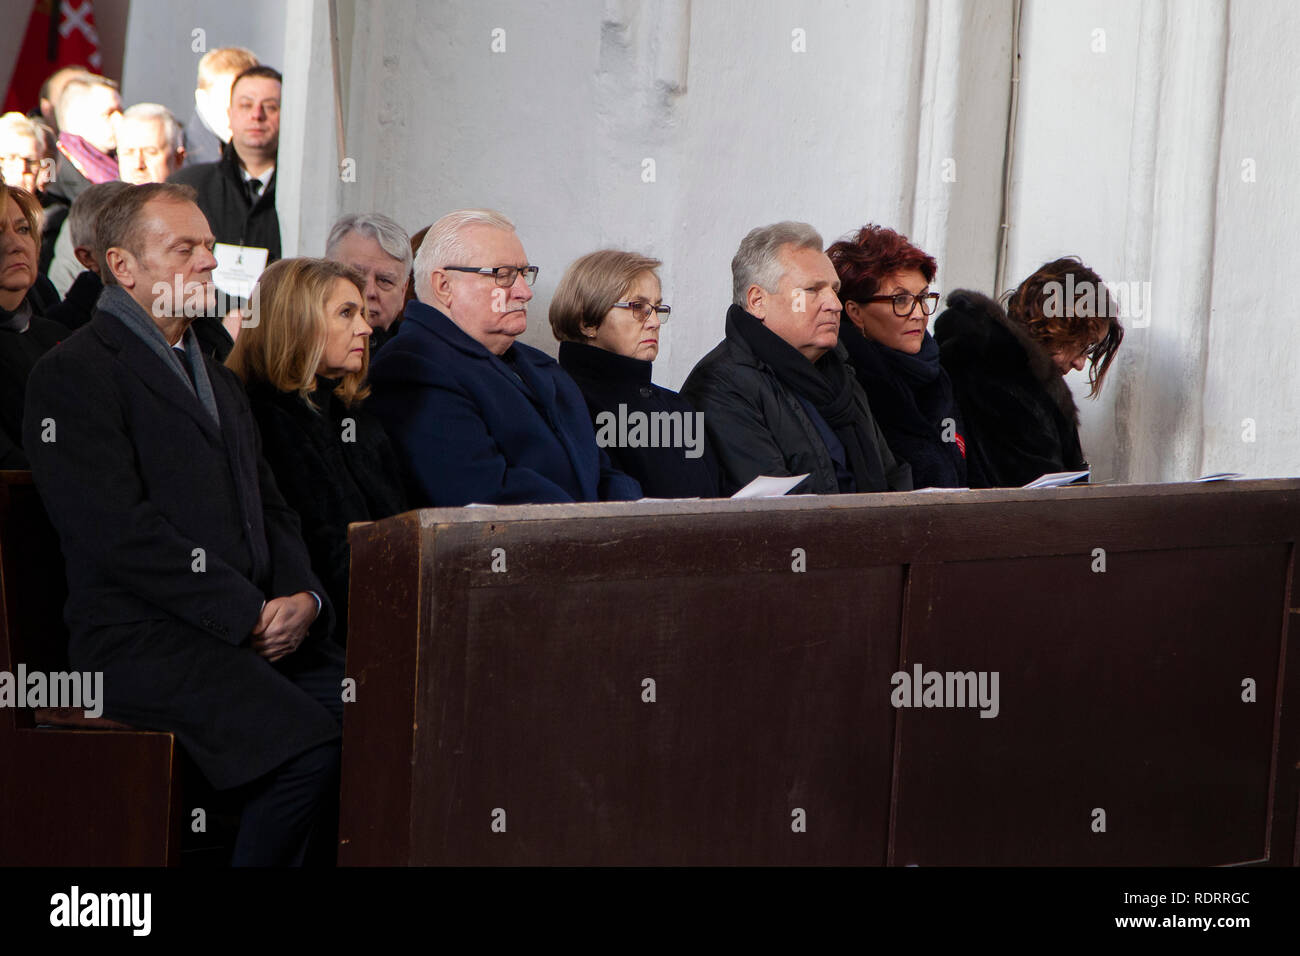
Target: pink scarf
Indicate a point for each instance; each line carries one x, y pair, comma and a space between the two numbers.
90, 162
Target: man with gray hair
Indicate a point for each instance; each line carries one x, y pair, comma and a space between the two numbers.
477, 416
78, 261
150, 144
778, 395
189, 586
380, 250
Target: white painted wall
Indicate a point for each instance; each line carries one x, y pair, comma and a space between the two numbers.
743, 130
161, 64
1128, 156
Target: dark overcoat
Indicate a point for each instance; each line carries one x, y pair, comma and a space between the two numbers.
174, 534
757, 426
919, 417
618, 385
334, 465
223, 197
1020, 419
470, 428
19, 353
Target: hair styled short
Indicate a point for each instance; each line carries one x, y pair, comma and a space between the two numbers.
285, 347
77, 89
443, 244
391, 237
265, 72
20, 125
30, 207
417, 240
85, 213
758, 260
156, 112
119, 222
224, 61
590, 287
1090, 319
870, 256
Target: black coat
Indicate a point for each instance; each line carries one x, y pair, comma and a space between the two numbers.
1020, 418
136, 476
224, 201
202, 145
19, 353
79, 304
757, 426
472, 426
913, 414
329, 481
54, 210
609, 380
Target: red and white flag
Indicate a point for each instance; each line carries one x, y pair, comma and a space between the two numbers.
52, 41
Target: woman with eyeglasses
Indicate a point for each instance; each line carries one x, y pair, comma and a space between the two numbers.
607, 313
885, 290
1008, 369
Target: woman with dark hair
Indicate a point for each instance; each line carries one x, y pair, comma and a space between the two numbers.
24, 334
606, 313
1008, 369
304, 364
885, 289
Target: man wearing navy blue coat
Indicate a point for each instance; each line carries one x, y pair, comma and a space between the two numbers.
477, 416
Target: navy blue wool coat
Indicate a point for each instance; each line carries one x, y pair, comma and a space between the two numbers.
471, 429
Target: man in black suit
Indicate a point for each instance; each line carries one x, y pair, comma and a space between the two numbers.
189, 586
237, 193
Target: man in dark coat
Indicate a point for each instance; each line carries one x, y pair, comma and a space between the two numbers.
475, 415
237, 193
189, 586
1020, 419
778, 395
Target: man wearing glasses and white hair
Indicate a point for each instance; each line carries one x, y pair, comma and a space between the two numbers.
477, 416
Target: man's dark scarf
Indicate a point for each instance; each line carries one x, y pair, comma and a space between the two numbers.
827, 384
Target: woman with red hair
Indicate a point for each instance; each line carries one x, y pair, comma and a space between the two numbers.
885, 288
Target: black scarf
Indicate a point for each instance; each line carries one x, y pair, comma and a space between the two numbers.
920, 369
827, 384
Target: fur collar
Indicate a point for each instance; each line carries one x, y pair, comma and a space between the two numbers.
975, 329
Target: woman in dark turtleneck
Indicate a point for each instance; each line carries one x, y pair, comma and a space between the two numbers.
304, 363
24, 334
885, 289
607, 312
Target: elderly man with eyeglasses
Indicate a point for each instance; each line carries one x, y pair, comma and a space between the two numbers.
477, 416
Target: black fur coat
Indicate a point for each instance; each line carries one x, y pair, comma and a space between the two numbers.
1020, 418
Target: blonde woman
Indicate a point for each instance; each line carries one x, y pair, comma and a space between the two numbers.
304, 363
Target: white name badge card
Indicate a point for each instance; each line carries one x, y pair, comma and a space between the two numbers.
238, 268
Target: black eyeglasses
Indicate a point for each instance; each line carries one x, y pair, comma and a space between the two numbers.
505, 275
905, 302
642, 309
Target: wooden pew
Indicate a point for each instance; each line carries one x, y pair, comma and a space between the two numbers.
503, 715
90, 791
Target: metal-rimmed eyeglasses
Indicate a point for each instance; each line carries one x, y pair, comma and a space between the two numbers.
642, 309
